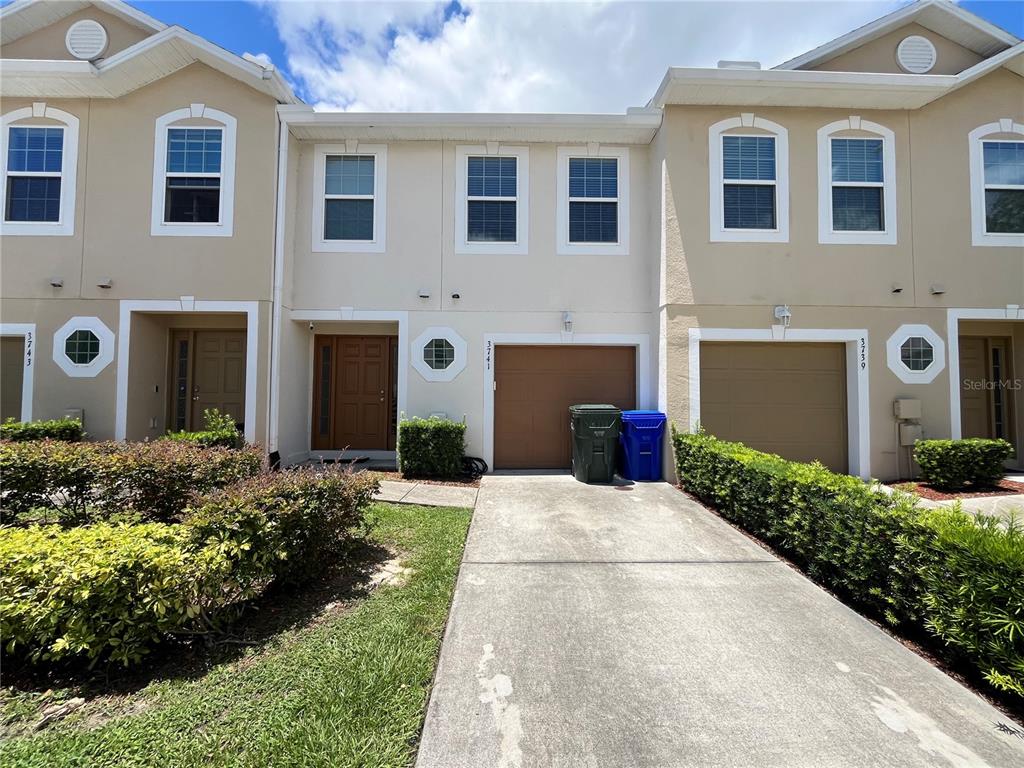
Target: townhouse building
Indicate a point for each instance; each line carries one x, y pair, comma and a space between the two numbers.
776, 255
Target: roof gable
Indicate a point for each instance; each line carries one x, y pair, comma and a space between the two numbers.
941, 17
48, 42
880, 54
23, 17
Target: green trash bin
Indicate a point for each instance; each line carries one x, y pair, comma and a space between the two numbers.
595, 438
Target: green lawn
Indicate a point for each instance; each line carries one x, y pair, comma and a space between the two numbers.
345, 685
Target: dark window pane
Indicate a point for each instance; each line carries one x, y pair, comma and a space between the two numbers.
1004, 162
491, 221
348, 220
194, 150
491, 176
181, 385
917, 353
857, 160
593, 177
1004, 210
324, 421
593, 222
749, 206
748, 158
192, 200
857, 209
37, 150
439, 354
33, 198
82, 347
349, 175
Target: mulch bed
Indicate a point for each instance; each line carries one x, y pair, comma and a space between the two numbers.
399, 477
925, 491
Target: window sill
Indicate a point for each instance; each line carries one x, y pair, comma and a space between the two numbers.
35, 229
593, 249
466, 247
857, 238
749, 236
348, 246
998, 240
191, 230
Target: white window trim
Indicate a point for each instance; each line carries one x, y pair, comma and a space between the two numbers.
564, 247
433, 374
894, 359
229, 125
826, 234
28, 332
977, 160
65, 226
101, 361
719, 234
380, 196
522, 242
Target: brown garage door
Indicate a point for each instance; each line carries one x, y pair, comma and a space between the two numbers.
788, 399
534, 387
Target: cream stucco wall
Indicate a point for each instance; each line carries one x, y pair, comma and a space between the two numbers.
49, 42
880, 55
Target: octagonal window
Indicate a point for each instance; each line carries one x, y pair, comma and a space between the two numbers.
439, 354
917, 353
82, 347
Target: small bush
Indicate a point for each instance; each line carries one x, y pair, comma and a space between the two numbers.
287, 525
155, 480
69, 430
104, 591
953, 464
938, 570
219, 431
431, 447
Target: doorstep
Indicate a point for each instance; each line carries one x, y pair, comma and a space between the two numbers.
426, 494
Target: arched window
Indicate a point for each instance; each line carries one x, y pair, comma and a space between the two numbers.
856, 183
996, 152
194, 173
39, 147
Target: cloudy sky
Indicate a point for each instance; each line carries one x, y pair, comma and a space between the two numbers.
477, 55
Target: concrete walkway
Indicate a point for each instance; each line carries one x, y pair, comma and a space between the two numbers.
427, 494
603, 627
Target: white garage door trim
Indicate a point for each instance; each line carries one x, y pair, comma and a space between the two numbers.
856, 341
642, 342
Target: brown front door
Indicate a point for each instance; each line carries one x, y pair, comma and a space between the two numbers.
534, 387
986, 399
353, 396
12, 372
207, 371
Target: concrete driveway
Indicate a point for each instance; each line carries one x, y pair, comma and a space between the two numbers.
605, 627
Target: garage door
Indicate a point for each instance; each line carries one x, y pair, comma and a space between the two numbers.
784, 398
534, 387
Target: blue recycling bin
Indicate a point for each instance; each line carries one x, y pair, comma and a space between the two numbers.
640, 441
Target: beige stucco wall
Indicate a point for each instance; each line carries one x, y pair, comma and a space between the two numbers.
49, 42
880, 55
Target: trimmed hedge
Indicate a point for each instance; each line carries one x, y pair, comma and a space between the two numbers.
113, 592
219, 431
963, 580
953, 464
69, 430
154, 480
431, 447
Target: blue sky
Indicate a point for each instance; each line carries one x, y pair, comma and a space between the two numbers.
476, 55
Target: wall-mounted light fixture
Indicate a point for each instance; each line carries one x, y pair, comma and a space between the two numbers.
937, 289
567, 321
56, 282
897, 287
783, 315
104, 282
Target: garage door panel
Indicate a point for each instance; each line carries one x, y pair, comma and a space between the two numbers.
782, 398
534, 387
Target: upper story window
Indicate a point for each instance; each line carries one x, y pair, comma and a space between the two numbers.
856, 183
349, 196
492, 199
996, 153
194, 173
593, 200
40, 162
749, 176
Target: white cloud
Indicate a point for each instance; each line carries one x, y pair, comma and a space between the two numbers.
535, 57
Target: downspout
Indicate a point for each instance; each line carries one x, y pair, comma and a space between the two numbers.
280, 218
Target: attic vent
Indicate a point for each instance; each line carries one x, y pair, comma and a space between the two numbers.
916, 54
86, 39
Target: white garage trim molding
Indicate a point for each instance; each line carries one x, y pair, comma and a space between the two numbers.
953, 318
188, 304
98, 363
857, 403
641, 341
894, 354
28, 332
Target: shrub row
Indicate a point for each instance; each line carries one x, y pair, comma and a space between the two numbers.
69, 430
431, 447
952, 464
153, 480
963, 580
219, 430
106, 591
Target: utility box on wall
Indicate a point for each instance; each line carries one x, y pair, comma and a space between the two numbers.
910, 434
906, 408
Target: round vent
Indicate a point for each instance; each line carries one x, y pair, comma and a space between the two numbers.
916, 54
86, 39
